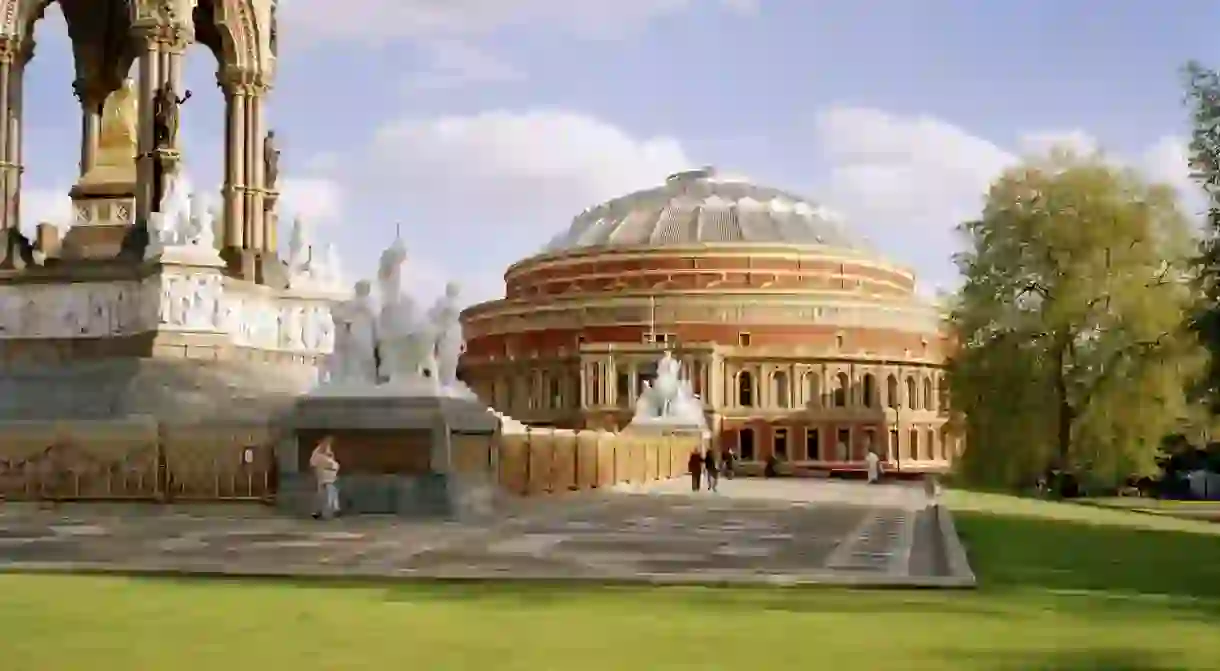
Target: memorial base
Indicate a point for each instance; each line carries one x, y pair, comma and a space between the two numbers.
411, 457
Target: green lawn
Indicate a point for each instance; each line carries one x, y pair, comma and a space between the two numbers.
1064, 587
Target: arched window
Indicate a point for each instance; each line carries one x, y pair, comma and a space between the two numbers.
841, 387
912, 396
927, 394
745, 444
942, 395
930, 437
914, 447
891, 392
745, 389
780, 382
556, 392
813, 388
595, 385
870, 390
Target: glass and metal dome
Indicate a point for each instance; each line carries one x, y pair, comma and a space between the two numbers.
698, 207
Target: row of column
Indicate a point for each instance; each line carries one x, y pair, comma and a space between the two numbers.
246, 193
245, 190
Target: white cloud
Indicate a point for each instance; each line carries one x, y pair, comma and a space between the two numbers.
318, 199
40, 205
541, 166
380, 20
1077, 141
486, 190
907, 182
454, 63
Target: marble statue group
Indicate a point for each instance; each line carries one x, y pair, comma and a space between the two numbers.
393, 346
669, 400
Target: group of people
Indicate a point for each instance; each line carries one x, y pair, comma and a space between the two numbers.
704, 464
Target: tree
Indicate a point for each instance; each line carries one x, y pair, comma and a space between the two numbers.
1203, 97
1073, 342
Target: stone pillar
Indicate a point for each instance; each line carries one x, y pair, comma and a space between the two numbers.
10, 69
256, 209
90, 124
150, 79
14, 140
236, 90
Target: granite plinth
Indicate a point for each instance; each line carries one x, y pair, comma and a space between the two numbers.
412, 457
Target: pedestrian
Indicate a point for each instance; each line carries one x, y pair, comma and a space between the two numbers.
709, 467
326, 472
730, 458
874, 467
695, 464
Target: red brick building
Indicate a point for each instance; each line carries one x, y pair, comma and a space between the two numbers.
802, 342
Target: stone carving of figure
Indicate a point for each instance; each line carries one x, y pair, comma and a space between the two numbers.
643, 404
273, 37
450, 345
668, 370
199, 228
118, 135
166, 115
271, 160
168, 225
354, 359
407, 344
332, 275
298, 250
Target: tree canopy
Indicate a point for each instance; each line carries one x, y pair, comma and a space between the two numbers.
1203, 96
1073, 343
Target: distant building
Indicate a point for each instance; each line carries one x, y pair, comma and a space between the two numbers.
802, 342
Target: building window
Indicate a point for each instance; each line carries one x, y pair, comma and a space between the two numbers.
841, 388
927, 394
745, 389
595, 385
870, 390
870, 444
894, 450
942, 394
745, 444
842, 444
813, 450
912, 397
915, 455
838, 342
780, 380
780, 443
556, 393
622, 388
743, 339
813, 386
891, 392
930, 437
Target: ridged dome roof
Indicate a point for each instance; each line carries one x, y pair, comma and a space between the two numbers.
697, 207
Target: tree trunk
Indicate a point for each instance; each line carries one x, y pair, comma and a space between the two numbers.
1066, 415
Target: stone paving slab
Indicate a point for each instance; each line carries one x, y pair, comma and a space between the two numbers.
748, 532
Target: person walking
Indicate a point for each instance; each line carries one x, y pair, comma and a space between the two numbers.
873, 463
709, 467
727, 462
695, 464
326, 472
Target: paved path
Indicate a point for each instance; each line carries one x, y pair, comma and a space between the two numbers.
749, 531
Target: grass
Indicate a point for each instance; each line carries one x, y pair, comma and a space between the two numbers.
1063, 587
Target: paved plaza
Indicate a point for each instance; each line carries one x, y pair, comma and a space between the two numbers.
782, 531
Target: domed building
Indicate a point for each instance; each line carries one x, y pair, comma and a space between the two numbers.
802, 341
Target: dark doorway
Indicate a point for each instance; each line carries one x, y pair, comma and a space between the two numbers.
745, 444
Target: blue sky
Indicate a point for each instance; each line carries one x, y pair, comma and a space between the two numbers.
482, 126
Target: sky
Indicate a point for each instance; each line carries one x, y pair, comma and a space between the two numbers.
479, 128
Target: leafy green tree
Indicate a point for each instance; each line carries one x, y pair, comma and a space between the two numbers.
1203, 97
1073, 342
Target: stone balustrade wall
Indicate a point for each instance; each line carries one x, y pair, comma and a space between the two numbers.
547, 461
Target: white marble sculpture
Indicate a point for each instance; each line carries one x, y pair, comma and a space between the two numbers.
311, 266
446, 321
400, 352
353, 363
669, 401
200, 228
298, 251
165, 227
